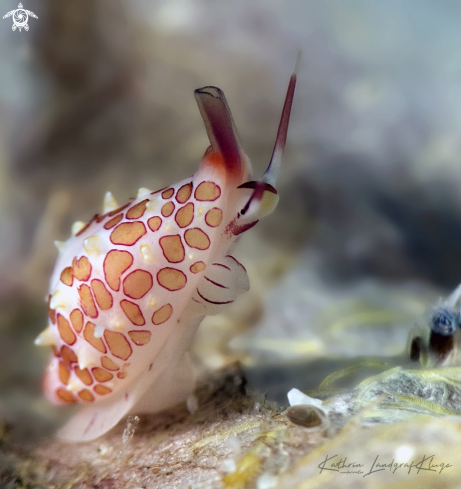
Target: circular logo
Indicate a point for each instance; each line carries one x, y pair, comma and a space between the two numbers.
20, 17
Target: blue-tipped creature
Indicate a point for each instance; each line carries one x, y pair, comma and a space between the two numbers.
444, 321
444, 324
440, 345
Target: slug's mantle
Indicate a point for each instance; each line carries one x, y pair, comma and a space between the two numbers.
130, 287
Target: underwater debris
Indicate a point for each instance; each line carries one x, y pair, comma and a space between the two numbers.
192, 403
296, 397
128, 432
307, 416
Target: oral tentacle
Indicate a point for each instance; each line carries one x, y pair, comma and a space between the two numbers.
221, 129
271, 174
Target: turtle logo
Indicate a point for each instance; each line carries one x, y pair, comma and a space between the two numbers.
20, 18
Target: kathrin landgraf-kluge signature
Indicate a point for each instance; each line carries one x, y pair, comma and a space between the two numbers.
342, 466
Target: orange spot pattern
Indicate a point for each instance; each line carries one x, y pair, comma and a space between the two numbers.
115, 263
207, 191
99, 217
88, 334
64, 374
154, 223
140, 337
132, 312
86, 395
118, 344
197, 267
68, 356
84, 375
185, 215
102, 390
115, 220
167, 209
184, 193
137, 210
137, 284
106, 362
171, 278
76, 318
163, 314
128, 233
196, 238
101, 375
102, 295
66, 396
88, 305
166, 194
213, 217
65, 331
66, 276
172, 247
81, 268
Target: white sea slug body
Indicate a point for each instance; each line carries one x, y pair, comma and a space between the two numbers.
130, 288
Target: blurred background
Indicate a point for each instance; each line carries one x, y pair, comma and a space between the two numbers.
98, 95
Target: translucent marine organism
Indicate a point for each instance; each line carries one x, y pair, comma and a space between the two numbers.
130, 287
